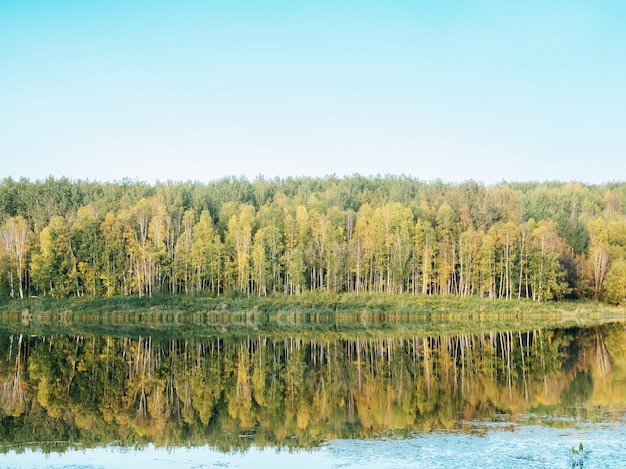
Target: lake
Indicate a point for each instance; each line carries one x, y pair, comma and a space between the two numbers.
340, 393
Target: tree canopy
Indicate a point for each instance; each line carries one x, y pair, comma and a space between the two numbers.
391, 234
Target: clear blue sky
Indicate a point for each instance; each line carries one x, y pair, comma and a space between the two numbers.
488, 90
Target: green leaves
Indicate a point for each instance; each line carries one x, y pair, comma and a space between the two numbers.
384, 234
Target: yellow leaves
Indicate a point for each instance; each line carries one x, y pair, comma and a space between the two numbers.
303, 417
598, 231
612, 204
446, 217
616, 283
309, 388
45, 242
86, 216
84, 419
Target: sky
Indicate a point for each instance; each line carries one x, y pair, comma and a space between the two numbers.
486, 90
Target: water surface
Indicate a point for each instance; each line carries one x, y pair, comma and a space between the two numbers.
347, 397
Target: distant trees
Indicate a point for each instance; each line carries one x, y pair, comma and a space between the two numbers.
385, 234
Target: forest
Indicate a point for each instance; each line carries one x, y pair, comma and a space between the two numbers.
239, 238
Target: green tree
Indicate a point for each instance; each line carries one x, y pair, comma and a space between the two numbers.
113, 271
87, 240
183, 260
53, 266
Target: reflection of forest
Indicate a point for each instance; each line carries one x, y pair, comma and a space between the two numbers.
233, 392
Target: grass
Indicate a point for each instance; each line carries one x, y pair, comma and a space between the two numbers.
374, 315
306, 302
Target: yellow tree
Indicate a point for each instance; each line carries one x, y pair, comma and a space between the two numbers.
543, 267
525, 232
260, 265
324, 250
320, 233
488, 263
334, 262
239, 238
423, 255
113, 271
53, 266
303, 227
363, 242
470, 242
159, 228
146, 232
379, 226
86, 240
508, 234
398, 223
446, 230
616, 283
271, 220
183, 254
207, 255
297, 235
599, 254
135, 229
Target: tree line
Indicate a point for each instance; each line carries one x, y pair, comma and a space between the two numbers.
392, 234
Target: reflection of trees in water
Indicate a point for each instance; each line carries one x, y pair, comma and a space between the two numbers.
12, 385
603, 362
292, 391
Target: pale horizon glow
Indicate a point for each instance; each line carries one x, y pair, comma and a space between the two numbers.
198, 91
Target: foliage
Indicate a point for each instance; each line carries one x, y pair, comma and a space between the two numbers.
579, 456
235, 238
291, 390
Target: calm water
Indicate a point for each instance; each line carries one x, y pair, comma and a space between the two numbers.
380, 397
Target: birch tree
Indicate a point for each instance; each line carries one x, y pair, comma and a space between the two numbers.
15, 235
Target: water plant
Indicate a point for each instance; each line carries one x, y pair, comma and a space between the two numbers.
578, 456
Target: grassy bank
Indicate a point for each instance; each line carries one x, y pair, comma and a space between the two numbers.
304, 303
309, 313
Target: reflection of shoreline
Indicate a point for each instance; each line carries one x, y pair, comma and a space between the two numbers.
312, 325
296, 392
